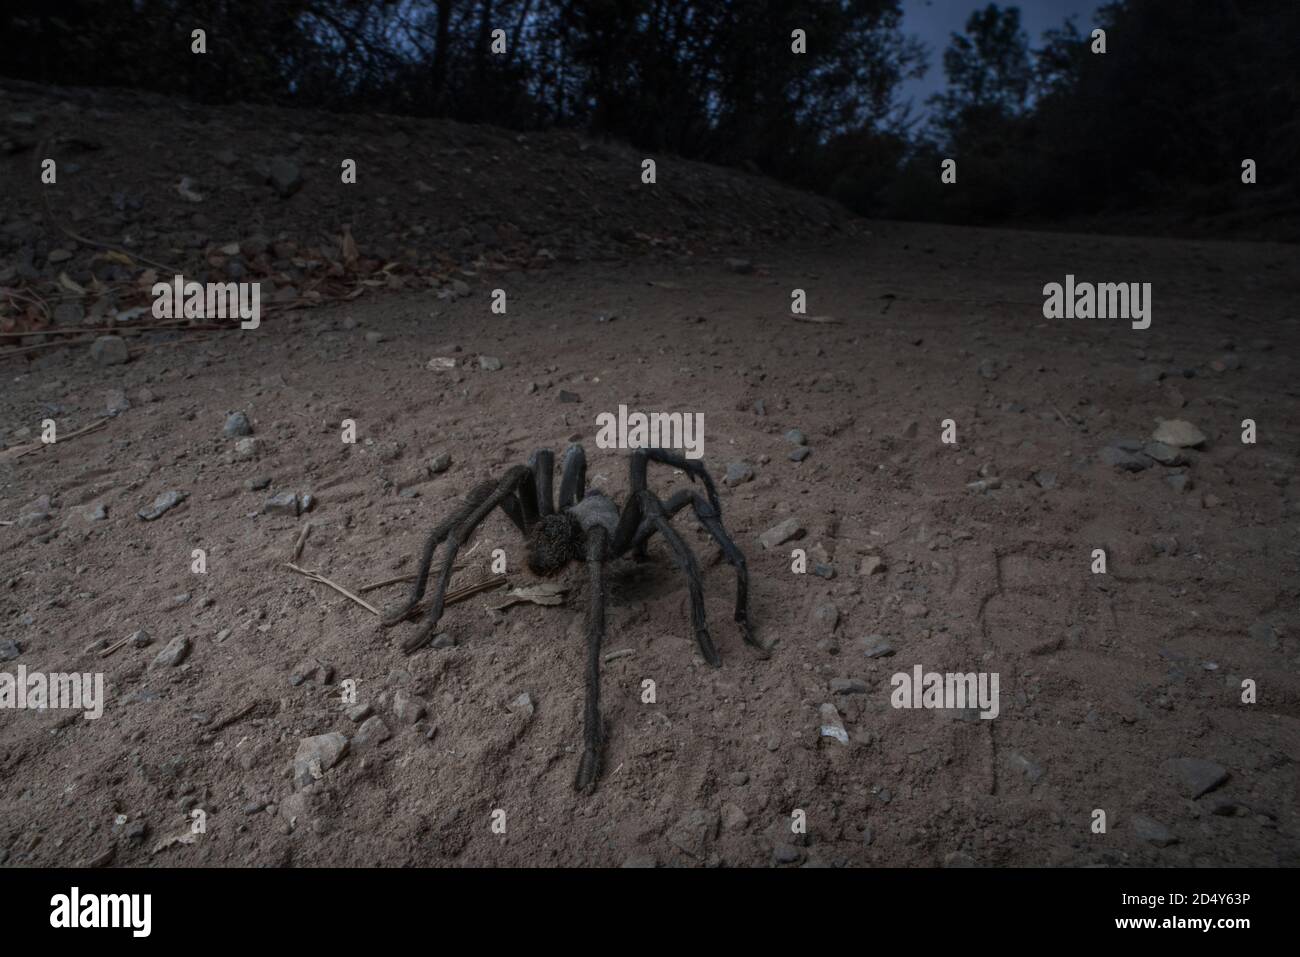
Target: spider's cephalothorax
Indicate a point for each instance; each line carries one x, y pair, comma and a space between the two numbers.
587, 525
554, 541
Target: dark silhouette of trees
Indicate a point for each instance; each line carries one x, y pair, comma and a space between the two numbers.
1162, 121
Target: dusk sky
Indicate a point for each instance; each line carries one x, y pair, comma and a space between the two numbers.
932, 21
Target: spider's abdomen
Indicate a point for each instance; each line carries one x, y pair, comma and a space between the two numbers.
555, 541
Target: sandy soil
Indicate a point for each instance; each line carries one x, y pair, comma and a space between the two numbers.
1105, 679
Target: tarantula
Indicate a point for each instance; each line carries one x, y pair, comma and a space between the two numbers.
588, 525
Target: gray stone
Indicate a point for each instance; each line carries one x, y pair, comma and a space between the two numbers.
875, 646
796, 437
1180, 482
801, 453
826, 616
162, 504
116, 402
1152, 831
284, 174
407, 708
372, 732
742, 267
316, 755
489, 363
282, 503
10, 649
1197, 776
440, 463
780, 534
694, 832
237, 425
832, 725
176, 651
1125, 460
823, 570
1045, 480
1165, 454
522, 705
848, 686
1178, 433
738, 473
109, 350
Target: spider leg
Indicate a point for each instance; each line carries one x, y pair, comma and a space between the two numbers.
542, 465
693, 468
472, 501
685, 560
507, 487
712, 521
589, 766
573, 476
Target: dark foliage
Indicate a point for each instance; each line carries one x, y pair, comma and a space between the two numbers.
1161, 122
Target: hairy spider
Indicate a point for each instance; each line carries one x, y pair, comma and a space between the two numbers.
588, 525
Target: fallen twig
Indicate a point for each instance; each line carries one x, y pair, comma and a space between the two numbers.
410, 577
314, 576
302, 540
18, 451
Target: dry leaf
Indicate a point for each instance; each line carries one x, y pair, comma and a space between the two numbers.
544, 593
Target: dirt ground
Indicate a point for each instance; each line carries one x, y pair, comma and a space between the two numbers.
1119, 692
1106, 680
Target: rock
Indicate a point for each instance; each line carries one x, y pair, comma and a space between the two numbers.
1178, 433
374, 338
848, 686
360, 712
522, 705
1124, 460
116, 402
140, 639
162, 504
1180, 482
489, 363
1265, 634
742, 267
823, 570
282, 503
95, 512
1045, 480
801, 453
694, 832
1196, 776
872, 565
407, 708
284, 175
247, 449
311, 669
316, 755
10, 649
826, 616
733, 818
440, 362
876, 646
258, 484
109, 350
738, 473
237, 425
1152, 831
780, 534
786, 854
832, 725
176, 651
985, 484
796, 437
440, 463
1165, 454
570, 397
372, 732
988, 368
